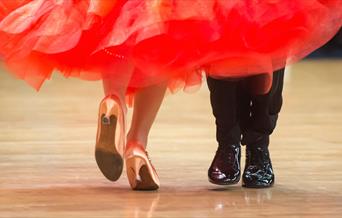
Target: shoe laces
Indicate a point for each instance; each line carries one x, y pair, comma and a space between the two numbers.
258, 156
148, 157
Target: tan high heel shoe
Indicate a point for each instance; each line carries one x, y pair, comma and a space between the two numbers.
140, 172
107, 155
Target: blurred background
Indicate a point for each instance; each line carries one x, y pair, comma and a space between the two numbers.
333, 49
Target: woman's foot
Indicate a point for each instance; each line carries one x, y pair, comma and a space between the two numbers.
107, 154
140, 172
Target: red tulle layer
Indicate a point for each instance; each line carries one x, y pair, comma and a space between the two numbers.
140, 43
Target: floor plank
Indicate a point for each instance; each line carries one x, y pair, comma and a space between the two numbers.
48, 169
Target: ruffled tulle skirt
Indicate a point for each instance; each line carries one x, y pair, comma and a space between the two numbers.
134, 44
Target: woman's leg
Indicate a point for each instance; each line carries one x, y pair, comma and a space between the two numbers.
111, 133
140, 172
146, 106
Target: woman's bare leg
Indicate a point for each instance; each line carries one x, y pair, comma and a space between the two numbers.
111, 133
140, 171
146, 106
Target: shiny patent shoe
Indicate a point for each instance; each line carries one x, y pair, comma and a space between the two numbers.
258, 171
140, 172
225, 168
108, 156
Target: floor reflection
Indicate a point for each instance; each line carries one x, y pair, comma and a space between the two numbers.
122, 202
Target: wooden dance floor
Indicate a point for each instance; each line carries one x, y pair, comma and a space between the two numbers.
47, 165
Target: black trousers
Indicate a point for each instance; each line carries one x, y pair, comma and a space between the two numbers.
243, 117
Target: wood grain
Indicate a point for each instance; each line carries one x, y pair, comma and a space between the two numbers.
48, 169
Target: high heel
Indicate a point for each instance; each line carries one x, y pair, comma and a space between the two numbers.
108, 156
140, 172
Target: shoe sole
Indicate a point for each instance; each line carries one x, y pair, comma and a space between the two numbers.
108, 159
144, 181
257, 186
224, 183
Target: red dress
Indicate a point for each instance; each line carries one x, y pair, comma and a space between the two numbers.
144, 42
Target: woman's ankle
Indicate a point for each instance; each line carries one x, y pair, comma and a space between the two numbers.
137, 139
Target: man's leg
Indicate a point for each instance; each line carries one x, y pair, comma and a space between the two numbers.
262, 121
225, 167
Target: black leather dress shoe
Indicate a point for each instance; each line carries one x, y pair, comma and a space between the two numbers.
225, 168
258, 171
